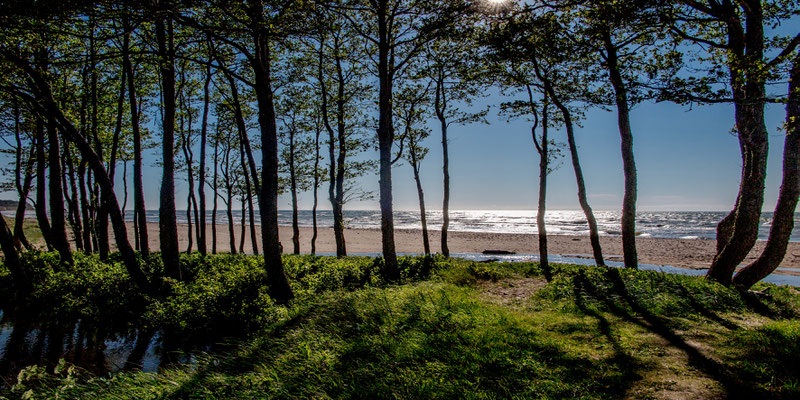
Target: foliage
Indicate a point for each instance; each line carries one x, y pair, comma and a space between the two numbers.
591, 333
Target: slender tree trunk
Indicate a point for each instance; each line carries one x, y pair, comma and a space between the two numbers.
440, 104
423, 219
243, 234
385, 141
74, 205
341, 165
216, 197
279, 287
41, 199
58, 228
316, 194
124, 187
293, 189
168, 227
23, 184
101, 214
783, 219
333, 175
87, 232
201, 180
139, 209
19, 215
541, 208
628, 163
226, 177
249, 194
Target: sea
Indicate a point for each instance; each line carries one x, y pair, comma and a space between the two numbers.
656, 224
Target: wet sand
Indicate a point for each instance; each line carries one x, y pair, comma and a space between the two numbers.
684, 253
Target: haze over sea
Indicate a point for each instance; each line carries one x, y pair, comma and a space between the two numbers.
658, 224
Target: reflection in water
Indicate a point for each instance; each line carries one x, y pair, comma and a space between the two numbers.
92, 348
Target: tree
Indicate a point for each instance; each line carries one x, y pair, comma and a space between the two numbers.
783, 220
410, 109
534, 50
452, 66
397, 32
734, 48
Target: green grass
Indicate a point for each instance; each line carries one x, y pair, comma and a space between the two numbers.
443, 332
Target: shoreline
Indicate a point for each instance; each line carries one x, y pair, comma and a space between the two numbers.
682, 253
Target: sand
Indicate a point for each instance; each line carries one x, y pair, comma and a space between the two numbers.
684, 253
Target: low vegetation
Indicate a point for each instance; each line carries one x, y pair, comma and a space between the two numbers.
450, 329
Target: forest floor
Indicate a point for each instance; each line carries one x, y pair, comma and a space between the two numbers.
458, 329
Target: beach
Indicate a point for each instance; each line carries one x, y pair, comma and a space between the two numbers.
683, 253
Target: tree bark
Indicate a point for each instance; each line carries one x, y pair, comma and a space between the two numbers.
385, 141
58, 227
293, 189
23, 184
423, 219
87, 231
749, 92
335, 190
216, 196
279, 287
139, 209
541, 208
41, 199
440, 104
783, 219
316, 194
201, 180
628, 163
167, 223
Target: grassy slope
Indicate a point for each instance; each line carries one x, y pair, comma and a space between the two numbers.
479, 331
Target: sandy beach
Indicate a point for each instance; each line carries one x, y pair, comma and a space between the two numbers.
684, 253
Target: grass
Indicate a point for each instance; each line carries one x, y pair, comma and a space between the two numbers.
448, 330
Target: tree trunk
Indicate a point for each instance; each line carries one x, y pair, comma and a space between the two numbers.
101, 215
423, 219
139, 209
316, 194
23, 185
749, 98
279, 287
74, 204
216, 197
244, 224
167, 223
58, 228
19, 215
541, 208
41, 199
628, 163
248, 191
293, 189
440, 104
333, 194
783, 219
201, 180
385, 141
87, 231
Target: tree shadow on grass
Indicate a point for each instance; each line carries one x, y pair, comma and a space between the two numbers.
616, 302
427, 345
